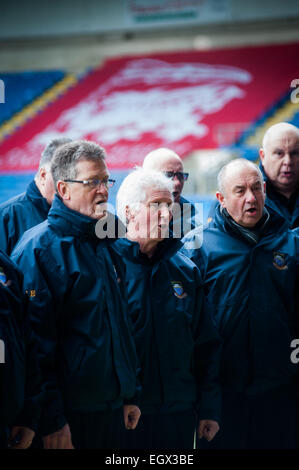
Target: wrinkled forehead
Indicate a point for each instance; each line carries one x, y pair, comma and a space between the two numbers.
170, 164
91, 167
241, 176
156, 195
283, 139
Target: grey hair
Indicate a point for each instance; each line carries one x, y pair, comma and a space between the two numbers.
134, 188
242, 162
68, 155
49, 150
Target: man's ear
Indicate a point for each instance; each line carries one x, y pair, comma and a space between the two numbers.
220, 198
129, 214
262, 154
63, 190
42, 173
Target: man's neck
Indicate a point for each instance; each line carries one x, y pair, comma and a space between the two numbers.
287, 193
147, 246
39, 186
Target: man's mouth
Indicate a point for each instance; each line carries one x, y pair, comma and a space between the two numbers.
101, 209
252, 210
287, 174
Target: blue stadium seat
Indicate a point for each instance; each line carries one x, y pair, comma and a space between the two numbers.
22, 88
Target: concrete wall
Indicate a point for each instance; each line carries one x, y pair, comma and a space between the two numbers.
33, 18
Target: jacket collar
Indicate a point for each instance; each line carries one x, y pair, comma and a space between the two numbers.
34, 194
71, 222
275, 224
131, 250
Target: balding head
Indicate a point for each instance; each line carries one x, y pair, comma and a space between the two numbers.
235, 166
281, 128
157, 159
166, 160
242, 191
280, 157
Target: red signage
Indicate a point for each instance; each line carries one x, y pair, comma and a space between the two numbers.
185, 101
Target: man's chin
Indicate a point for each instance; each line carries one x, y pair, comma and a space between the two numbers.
176, 196
100, 211
251, 222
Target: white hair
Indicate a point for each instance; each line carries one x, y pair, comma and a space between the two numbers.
134, 188
238, 162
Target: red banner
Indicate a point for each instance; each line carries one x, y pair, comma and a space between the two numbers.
185, 101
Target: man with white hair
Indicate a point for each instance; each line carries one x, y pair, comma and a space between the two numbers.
280, 164
28, 209
249, 264
169, 162
176, 341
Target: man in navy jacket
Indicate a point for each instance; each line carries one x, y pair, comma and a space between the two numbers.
20, 386
249, 262
30, 208
177, 343
280, 165
78, 309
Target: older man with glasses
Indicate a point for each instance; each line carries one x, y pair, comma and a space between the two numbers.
78, 310
184, 213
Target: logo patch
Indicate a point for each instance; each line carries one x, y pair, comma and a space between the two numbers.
31, 293
178, 289
279, 261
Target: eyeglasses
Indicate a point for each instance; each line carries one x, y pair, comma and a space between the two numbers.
93, 183
179, 174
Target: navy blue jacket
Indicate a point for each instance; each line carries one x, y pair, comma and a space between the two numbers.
19, 214
19, 376
276, 202
252, 290
78, 311
177, 344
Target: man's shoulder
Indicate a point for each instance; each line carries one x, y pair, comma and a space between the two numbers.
181, 263
39, 237
14, 202
6, 263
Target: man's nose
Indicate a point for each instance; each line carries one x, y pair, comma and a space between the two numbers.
164, 213
287, 160
250, 196
177, 181
102, 188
